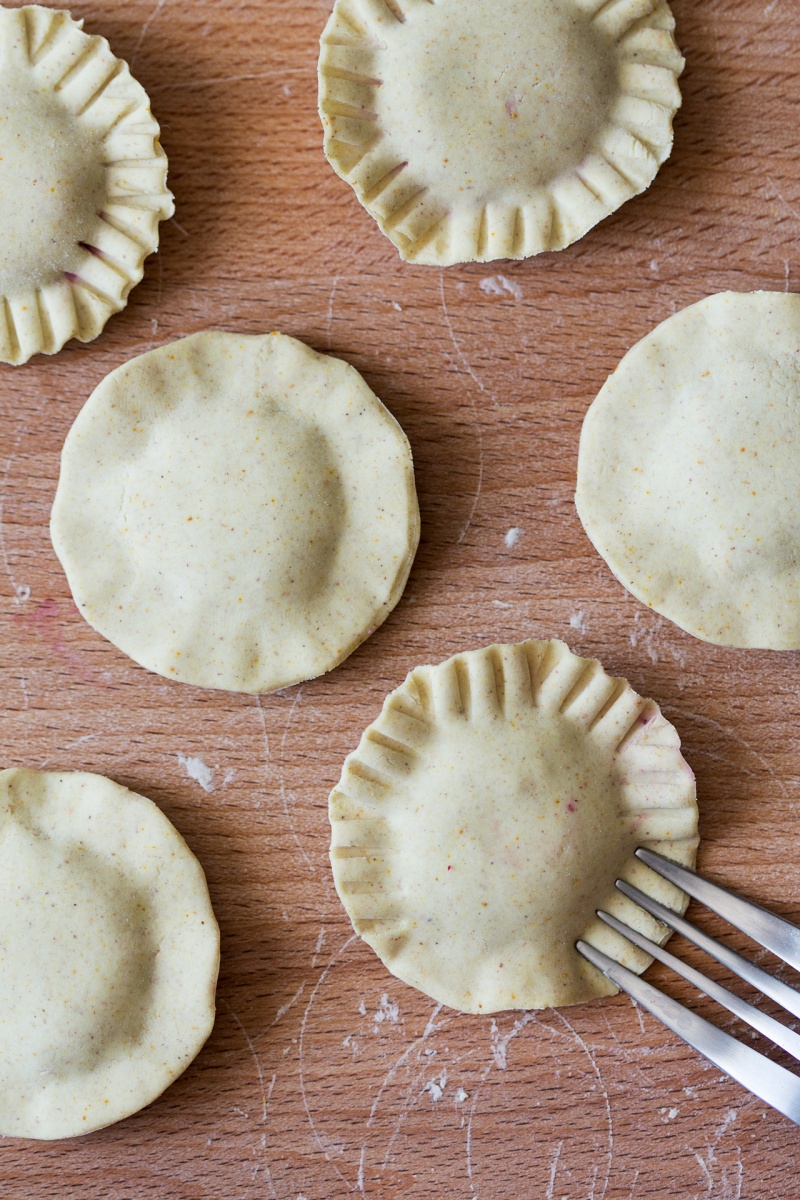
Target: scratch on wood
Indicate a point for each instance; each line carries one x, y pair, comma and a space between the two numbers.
281, 781
146, 29
604, 1090
682, 713
331, 301
301, 1057
553, 1171
478, 430
256, 1059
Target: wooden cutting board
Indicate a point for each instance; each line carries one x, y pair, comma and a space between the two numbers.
325, 1077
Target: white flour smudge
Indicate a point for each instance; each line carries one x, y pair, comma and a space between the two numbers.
387, 1011
197, 770
645, 637
500, 285
435, 1087
578, 621
500, 1041
513, 536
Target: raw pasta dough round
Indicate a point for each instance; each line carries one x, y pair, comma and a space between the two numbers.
488, 811
236, 512
688, 480
485, 129
109, 952
82, 182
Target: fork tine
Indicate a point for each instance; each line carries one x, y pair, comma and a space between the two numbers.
787, 1039
784, 995
779, 936
766, 1079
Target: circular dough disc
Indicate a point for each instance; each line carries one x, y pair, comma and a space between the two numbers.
82, 182
688, 481
110, 953
486, 815
473, 130
236, 512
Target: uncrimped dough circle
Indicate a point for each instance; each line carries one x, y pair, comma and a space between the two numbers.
688, 479
236, 512
108, 956
477, 130
82, 182
486, 815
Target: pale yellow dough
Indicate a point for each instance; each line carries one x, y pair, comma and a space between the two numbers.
688, 478
109, 953
488, 811
236, 512
486, 129
82, 182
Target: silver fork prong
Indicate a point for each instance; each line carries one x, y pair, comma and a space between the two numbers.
778, 991
766, 1079
787, 1039
778, 935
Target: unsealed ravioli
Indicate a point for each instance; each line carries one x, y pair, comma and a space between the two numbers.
486, 129
688, 479
82, 182
486, 814
108, 955
236, 512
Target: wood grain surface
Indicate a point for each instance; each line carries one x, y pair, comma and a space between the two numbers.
325, 1077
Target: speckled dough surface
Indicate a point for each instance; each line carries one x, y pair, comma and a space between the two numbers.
688, 480
488, 811
237, 512
82, 182
477, 130
108, 956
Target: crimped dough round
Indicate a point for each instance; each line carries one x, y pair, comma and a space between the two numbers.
688, 481
236, 512
486, 129
108, 955
82, 182
486, 815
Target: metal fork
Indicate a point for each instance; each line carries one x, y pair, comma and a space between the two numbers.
753, 1070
